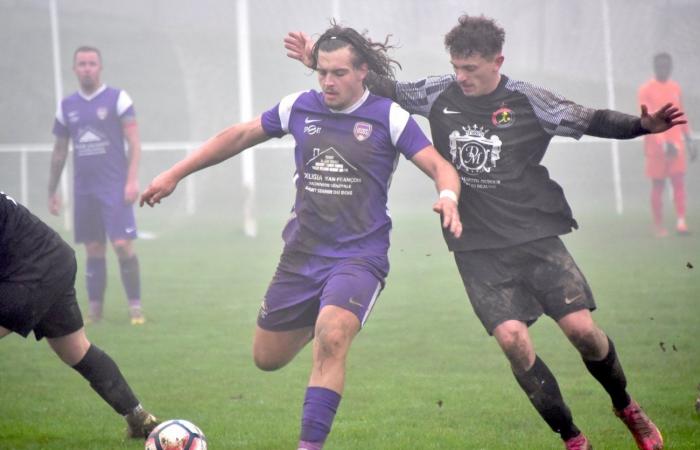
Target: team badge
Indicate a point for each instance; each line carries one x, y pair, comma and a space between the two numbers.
362, 131
102, 113
503, 117
472, 152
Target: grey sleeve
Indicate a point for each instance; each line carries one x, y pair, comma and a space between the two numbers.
557, 115
417, 97
614, 124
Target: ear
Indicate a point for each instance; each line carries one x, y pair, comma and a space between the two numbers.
363, 70
499, 61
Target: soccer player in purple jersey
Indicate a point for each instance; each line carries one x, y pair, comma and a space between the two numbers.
37, 294
334, 262
98, 119
495, 131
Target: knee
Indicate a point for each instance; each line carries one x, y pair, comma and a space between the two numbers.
123, 249
590, 342
95, 250
265, 363
332, 341
517, 348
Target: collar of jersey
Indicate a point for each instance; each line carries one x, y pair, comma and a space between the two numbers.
354, 106
94, 94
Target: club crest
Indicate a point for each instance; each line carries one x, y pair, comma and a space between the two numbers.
362, 131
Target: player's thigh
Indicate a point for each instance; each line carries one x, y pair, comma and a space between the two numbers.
336, 327
494, 288
118, 217
88, 222
4, 332
274, 349
72, 347
354, 285
556, 280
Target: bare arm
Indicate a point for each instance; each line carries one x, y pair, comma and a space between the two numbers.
228, 143
447, 183
131, 133
58, 161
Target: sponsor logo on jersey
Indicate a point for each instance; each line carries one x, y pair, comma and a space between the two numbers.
73, 116
312, 129
472, 152
102, 113
308, 121
362, 131
503, 117
445, 110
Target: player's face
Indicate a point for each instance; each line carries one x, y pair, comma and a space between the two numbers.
340, 81
477, 75
87, 68
662, 68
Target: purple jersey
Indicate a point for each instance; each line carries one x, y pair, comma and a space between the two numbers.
344, 164
94, 124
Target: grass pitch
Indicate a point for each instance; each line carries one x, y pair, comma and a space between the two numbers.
422, 374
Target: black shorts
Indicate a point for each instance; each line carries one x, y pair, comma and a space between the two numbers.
523, 282
49, 310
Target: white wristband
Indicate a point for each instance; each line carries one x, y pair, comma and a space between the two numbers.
448, 193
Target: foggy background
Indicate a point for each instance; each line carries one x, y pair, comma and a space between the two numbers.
178, 61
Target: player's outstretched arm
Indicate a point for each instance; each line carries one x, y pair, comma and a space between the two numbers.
448, 185
617, 125
228, 143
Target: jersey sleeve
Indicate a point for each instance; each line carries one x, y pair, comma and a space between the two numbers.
275, 121
557, 115
417, 97
59, 124
125, 106
406, 135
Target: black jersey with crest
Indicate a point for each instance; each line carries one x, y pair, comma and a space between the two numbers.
31, 252
497, 142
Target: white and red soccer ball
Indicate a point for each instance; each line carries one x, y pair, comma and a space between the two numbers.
176, 434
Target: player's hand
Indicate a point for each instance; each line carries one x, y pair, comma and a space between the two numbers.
131, 192
299, 46
161, 186
667, 117
447, 208
54, 203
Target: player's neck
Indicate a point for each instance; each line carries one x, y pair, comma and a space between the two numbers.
90, 94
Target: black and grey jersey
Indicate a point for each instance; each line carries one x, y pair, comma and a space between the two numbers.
30, 251
497, 142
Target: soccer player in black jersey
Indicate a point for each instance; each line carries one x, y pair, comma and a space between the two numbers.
495, 130
37, 276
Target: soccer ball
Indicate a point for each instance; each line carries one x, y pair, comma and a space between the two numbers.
176, 434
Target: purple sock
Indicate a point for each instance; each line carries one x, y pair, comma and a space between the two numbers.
131, 279
320, 405
96, 279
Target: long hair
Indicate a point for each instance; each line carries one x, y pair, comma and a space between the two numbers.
374, 54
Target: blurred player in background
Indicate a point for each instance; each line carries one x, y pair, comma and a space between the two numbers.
335, 258
495, 131
666, 152
37, 276
98, 119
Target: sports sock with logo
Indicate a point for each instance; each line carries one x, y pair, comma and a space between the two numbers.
609, 373
543, 391
106, 379
320, 405
131, 279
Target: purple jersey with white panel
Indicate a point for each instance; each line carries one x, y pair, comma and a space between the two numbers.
94, 124
344, 164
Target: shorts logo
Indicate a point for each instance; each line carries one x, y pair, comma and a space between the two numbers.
472, 152
263, 309
362, 131
102, 113
503, 117
569, 301
352, 301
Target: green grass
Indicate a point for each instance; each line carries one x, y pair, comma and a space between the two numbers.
422, 375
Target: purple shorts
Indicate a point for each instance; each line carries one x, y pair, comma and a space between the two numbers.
101, 215
303, 284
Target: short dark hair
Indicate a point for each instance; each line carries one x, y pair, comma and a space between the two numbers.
662, 55
87, 48
475, 35
374, 54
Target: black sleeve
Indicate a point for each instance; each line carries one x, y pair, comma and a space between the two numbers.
381, 86
614, 124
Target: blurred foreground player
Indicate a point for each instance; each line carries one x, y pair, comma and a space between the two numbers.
666, 153
495, 130
37, 276
335, 260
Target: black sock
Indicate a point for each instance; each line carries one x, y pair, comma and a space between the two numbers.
543, 391
106, 379
609, 373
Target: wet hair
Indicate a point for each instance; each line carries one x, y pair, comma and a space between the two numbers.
374, 54
475, 35
87, 48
